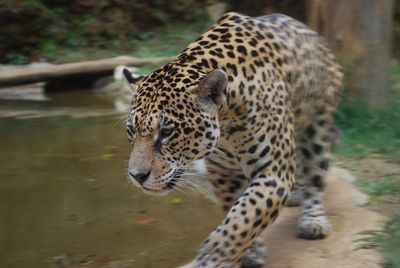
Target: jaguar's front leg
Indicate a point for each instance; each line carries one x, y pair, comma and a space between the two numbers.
228, 183
254, 210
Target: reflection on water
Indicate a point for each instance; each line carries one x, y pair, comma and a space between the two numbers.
63, 191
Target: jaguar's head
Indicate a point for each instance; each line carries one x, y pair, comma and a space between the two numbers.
172, 123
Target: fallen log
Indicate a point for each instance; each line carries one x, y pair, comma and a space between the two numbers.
64, 72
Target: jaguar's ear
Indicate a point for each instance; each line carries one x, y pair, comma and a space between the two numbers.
133, 79
212, 87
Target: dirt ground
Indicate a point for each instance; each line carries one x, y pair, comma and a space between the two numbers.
349, 219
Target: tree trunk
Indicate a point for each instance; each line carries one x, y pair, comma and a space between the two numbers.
359, 32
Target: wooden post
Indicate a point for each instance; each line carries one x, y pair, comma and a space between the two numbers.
359, 32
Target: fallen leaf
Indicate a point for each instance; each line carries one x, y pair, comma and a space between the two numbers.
177, 200
146, 221
103, 259
106, 156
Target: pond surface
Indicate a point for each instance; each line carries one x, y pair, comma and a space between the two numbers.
64, 196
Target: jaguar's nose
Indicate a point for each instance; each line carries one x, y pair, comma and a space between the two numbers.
140, 177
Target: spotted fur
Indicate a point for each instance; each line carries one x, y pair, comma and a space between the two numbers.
256, 98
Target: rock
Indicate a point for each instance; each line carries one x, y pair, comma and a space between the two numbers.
360, 198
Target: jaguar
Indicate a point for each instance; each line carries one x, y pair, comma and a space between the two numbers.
255, 97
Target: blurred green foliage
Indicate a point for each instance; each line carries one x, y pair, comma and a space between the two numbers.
168, 41
62, 31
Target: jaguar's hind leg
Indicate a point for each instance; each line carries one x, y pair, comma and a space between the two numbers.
313, 142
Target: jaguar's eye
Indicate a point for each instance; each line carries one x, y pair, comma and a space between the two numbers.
166, 132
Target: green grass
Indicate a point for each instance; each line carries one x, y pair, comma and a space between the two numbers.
387, 241
381, 189
367, 132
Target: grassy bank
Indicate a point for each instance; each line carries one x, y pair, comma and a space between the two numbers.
370, 148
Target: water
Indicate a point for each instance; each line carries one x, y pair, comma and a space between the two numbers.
64, 195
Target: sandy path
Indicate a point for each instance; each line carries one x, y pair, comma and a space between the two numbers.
339, 250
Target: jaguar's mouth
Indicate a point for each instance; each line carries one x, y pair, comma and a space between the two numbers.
170, 182
169, 186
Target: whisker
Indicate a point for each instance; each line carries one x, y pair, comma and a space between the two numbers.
191, 169
176, 187
184, 186
121, 121
195, 174
195, 188
194, 185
